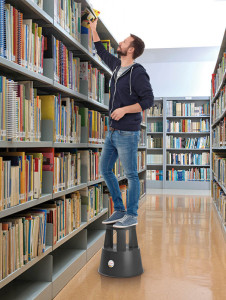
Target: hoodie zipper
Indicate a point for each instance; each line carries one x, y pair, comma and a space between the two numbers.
115, 90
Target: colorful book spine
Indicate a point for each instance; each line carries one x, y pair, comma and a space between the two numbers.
155, 175
155, 126
188, 158
187, 125
188, 143
20, 178
24, 42
219, 199
155, 111
219, 105
218, 76
219, 134
67, 13
175, 108
193, 174
154, 142
154, 158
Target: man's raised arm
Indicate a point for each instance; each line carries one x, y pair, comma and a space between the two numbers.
110, 60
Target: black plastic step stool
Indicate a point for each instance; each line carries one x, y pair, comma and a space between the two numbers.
121, 259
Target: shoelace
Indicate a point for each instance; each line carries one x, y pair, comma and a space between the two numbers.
124, 218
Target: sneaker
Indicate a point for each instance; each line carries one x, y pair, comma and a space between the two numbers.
116, 216
126, 221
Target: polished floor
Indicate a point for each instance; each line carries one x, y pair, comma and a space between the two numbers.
183, 254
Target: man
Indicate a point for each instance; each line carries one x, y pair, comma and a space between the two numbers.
131, 93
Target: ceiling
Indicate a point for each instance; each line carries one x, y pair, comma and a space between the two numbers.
165, 23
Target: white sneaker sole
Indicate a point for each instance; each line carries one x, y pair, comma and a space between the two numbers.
121, 226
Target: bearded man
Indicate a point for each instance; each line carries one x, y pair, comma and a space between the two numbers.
130, 94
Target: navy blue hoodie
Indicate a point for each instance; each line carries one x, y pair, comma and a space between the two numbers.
133, 86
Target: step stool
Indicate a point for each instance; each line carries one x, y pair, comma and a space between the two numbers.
121, 259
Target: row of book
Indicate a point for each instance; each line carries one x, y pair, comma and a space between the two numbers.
69, 119
156, 175
20, 177
219, 105
188, 158
20, 111
219, 167
187, 125
21, 173
219, 134
154, 142
219, 199
21, 39
218, 76
155, 126
155, 111
175, 108
67, 170
154, 158
141, 160
193, 174
188, 143
66, 68
24, 236
96, 82
67, 13
27, 44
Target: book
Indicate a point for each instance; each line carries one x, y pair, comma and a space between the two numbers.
89, 15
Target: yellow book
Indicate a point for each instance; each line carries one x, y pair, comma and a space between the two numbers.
89, 14
48, 111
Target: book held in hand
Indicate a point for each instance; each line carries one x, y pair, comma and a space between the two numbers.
89, 14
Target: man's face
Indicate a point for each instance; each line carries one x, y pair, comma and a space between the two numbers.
124, 46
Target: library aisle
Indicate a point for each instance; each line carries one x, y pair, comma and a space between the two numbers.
183, 254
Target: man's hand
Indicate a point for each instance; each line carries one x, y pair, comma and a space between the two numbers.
93, 25
118, 113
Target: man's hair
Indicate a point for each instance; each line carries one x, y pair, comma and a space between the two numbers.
138, 46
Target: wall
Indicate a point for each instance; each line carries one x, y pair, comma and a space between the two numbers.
180, 72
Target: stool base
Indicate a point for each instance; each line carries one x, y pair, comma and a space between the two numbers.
121, 264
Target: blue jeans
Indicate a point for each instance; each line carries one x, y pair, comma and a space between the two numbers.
122, 144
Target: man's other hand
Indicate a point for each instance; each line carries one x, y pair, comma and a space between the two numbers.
118, 113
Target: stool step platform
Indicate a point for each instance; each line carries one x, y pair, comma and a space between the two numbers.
120, 260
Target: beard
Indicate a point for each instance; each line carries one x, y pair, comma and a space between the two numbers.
121, 52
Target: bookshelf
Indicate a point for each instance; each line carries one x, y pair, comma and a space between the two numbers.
218, 113
45, 275
201, 157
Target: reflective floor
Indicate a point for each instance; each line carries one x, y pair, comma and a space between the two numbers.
183, 253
